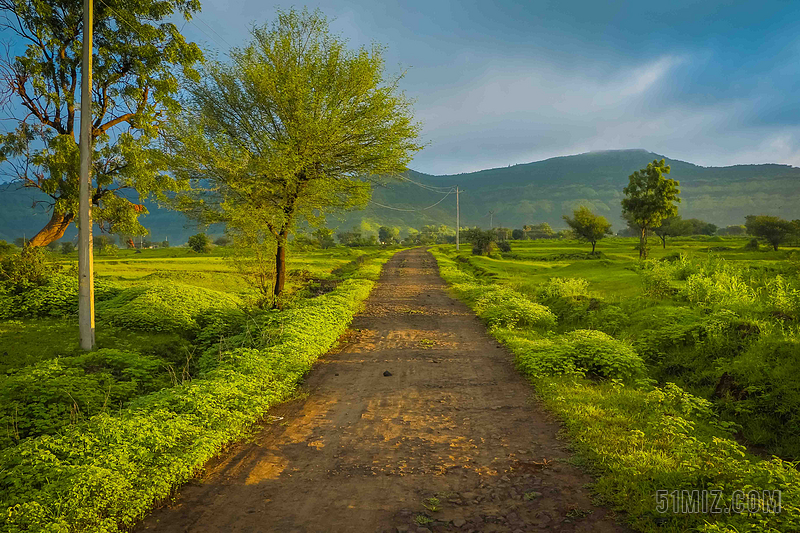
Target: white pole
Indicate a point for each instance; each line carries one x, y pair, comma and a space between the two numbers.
458, 221
85, 259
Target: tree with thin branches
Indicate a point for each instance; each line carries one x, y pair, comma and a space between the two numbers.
295, 126
138, 57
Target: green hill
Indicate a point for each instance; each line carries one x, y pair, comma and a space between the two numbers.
529, 193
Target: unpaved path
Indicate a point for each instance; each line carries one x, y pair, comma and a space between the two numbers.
363, 451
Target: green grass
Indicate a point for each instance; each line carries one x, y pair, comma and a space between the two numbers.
28, 341
692, 322
93, 440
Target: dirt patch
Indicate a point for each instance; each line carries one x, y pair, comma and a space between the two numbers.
449, 441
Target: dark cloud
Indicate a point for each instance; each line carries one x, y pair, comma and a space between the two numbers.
506, 82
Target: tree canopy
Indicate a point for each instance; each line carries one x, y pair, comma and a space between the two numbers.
138, 57
293, 127
588, 226
673, 226
649, 199
772, 229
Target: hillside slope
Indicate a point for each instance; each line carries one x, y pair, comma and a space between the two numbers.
521, 194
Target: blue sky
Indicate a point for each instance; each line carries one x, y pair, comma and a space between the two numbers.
499, 83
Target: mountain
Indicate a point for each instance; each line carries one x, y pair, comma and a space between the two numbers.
543, 191
529, 193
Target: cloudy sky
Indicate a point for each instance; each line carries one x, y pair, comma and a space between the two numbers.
506, 82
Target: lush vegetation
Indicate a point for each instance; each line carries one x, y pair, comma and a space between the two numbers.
140, 55
677, 373
91, 440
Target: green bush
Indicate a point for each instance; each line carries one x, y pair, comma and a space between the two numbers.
542, 357
762, 393
200, 243
722, 287
168, 307
104, 474
28, 269
602, 355
57, 296
506, 308
47, 396
563, 288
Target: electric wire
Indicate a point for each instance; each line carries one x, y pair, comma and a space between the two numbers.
119, 17
411, 210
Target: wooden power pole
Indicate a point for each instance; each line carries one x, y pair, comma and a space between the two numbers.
458, 222
85, 259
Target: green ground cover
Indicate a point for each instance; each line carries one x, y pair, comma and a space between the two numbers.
90, 441
679, 373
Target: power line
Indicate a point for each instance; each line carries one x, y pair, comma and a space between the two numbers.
411, 210
120, 18
433, 188
212, 29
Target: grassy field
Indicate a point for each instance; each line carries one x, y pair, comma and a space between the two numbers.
29, 340
677, 373
185, 364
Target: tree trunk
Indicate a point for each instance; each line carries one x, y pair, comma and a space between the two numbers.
53, 231
643, 244
593, 245
280, 264
664, 241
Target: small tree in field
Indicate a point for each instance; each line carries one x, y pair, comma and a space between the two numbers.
200, 243
774, 230
673, 227
295, 126
649, 199
588, 226
387, 235
324, 237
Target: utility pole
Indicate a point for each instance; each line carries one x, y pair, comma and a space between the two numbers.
85, 259
458, 221
491, 219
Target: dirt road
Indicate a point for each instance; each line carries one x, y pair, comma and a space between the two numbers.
365, 451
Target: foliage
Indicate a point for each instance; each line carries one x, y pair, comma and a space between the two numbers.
289, 129
673, 226
649, 199
138, 58
774, 230
506, 308
638, 438
504, 246
67, 247
200, 243
168, 307
48, 396
29, 268
483, 242
101, 475
538, 231
588, 226
6, 248
387, 235
324, 237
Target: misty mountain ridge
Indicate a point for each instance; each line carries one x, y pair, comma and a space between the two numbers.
527, 193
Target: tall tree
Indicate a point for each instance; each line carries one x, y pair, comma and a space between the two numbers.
294, 126
588, 226
137, 57
774, 230
649, 199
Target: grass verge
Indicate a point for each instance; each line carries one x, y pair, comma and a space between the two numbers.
636, 438
105, 474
